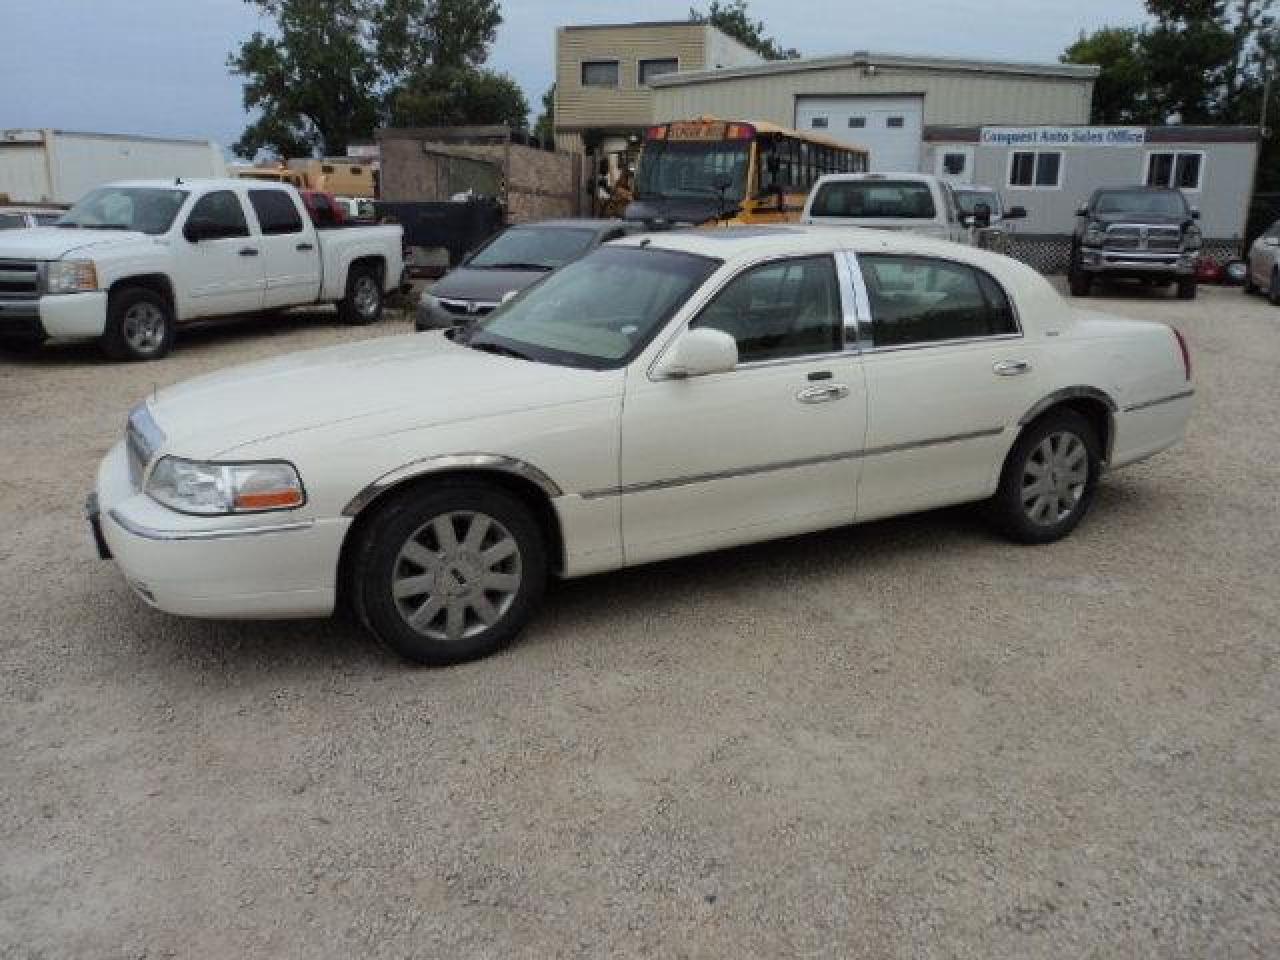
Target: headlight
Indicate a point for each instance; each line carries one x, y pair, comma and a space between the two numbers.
212, 489
1195, 239
71, 276
1094, 235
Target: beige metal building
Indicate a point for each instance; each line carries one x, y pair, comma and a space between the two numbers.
605, 75
880, 101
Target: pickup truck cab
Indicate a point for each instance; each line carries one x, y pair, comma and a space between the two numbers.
910, 202
132, 261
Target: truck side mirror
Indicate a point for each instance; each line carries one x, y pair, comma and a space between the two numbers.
1082, 212
1195, 213
1016, 213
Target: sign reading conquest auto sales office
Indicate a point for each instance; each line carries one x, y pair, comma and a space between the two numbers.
1064, 136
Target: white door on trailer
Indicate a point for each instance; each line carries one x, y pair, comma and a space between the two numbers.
890, 127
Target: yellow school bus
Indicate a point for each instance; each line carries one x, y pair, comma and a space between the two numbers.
710, 170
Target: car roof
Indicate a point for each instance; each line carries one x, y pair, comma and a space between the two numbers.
888, 175
761, 241
582, 223
225, 183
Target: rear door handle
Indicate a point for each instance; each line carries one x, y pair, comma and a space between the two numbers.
305, 246
1011, 368
823, 394
248, 251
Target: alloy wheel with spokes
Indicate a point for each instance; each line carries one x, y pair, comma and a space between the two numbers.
363, 301
143, 327
1054, 478
456, 575
140, 324
450, 571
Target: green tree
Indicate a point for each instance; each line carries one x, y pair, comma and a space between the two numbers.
545, 128
1121, 92
734, 18
313, 84
449, 96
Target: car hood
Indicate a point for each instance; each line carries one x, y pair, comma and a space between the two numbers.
387, 384
486, 286
1154, 219
54, 243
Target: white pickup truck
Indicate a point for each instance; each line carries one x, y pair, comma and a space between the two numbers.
132, 261
910, 202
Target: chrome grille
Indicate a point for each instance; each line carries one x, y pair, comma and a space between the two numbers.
1124, 238
142, 438
1164, 238
19, 279
1139, 237
467, 308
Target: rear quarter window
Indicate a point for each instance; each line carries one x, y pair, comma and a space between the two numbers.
875, 199
276, 211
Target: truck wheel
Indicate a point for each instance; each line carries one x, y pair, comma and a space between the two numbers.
1187, 289
20, 345
1273, 289
363, 302
449, 573
1079, 282
1049, 479
139, 325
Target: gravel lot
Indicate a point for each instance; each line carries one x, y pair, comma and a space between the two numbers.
908, 739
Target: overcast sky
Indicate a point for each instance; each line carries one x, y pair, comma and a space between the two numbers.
159, 66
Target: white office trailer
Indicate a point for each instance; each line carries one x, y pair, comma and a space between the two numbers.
56, 166
1052, 170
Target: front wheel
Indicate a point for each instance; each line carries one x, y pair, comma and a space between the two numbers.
1273, 288
363, 302
449, 573
1187, 289
1079, 282
1049, 479
139, 325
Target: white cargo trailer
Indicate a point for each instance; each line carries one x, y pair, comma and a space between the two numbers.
56, 166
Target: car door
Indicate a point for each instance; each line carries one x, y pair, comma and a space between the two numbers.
291, 256
767, 449
219, 261
948, 372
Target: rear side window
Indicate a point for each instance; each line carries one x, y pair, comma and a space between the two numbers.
8, 221
918, 300
790, 308
875, 199
276, 211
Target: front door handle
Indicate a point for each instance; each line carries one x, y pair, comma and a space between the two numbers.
1011, 368
823, 394
249, 251
305, 246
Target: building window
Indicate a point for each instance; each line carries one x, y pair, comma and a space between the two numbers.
857, 123
656, 68
600, 73
895, 123
1032, 169
953, 164
818, 123
1182, 170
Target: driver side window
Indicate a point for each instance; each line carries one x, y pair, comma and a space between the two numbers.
222, 210
788, 308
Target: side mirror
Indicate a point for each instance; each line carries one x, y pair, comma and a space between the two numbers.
982, 215
1082, 212
1195, 213
697, 353
1016, 213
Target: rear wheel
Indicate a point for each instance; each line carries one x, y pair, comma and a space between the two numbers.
20, 345
1187, 289
1249, 285
363, 302
1079, 282
139, 325
1049, 478
1273, 288
450, 573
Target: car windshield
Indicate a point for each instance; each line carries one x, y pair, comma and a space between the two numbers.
597, 312
967, 200
1163, 202
693, 169
537, 248
147, 209
874, 200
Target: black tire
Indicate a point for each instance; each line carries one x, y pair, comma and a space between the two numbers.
458, 581
1187, 289
1013, 507
139, 325
1249, 286
1273, 289
1079, 282
20, 345
364, 298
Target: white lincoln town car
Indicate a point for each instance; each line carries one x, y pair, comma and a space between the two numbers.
663, 395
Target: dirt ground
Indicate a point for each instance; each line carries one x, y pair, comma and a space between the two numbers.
908, 739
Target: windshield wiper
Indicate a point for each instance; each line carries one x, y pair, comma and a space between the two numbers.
516, 266
499, 350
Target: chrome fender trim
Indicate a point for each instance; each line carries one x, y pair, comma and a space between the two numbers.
442, 464
1071, 393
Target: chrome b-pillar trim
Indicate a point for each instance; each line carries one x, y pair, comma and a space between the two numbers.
453, 461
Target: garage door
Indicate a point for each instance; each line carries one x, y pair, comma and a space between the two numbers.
890, 127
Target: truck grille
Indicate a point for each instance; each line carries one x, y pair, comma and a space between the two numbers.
19, 279
1137, 237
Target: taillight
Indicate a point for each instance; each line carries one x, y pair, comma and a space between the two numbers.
1186, 353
